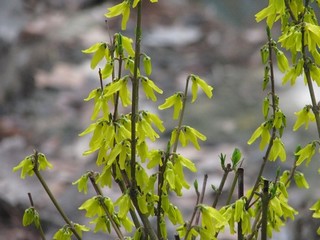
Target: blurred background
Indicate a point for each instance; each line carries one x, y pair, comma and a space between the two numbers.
44, 78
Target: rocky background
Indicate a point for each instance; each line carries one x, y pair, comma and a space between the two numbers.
45, 77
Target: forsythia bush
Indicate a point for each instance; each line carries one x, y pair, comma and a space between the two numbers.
149, 178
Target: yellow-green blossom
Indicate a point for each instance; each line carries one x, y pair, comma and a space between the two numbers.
197, 81
149, 87
100, 50
306, 153
120, 9
175, 101
282, 61
262, 131
300, 180
277, 150
304, 116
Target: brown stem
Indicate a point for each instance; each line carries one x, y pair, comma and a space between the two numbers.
240, 195
204, 185
265, 203
223, 181
52, 198
273, 134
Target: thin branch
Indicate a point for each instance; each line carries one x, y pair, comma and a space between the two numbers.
204, 185
52, 198
274, 108
109, 215
185, 95
240, 195
227, 170
265, 203
39, 227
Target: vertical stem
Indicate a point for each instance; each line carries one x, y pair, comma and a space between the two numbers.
240, 195
265, 202
134, 118
315, 107
135, 97
273, 134
200, 197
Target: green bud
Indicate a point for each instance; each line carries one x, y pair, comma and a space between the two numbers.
147, 65
264, 51
236, 157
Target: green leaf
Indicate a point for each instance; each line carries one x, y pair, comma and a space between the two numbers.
236, 157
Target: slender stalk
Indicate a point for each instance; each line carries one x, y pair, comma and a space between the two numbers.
116, 97
196, 213
233, 186
273, 134
255, 225
290, 12
240, 195
135, 98
185, 94
99, 192
315, 106
100, 79
52, 198
223, 181
160, 185
204, 185
40, 227
265, 203
134, 118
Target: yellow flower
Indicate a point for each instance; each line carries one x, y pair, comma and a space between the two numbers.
306, 153
149, 87
282, 61
197, 81
100, 50
304, 117
264, 131
300, 180
121, 8
175, 101
277, 150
